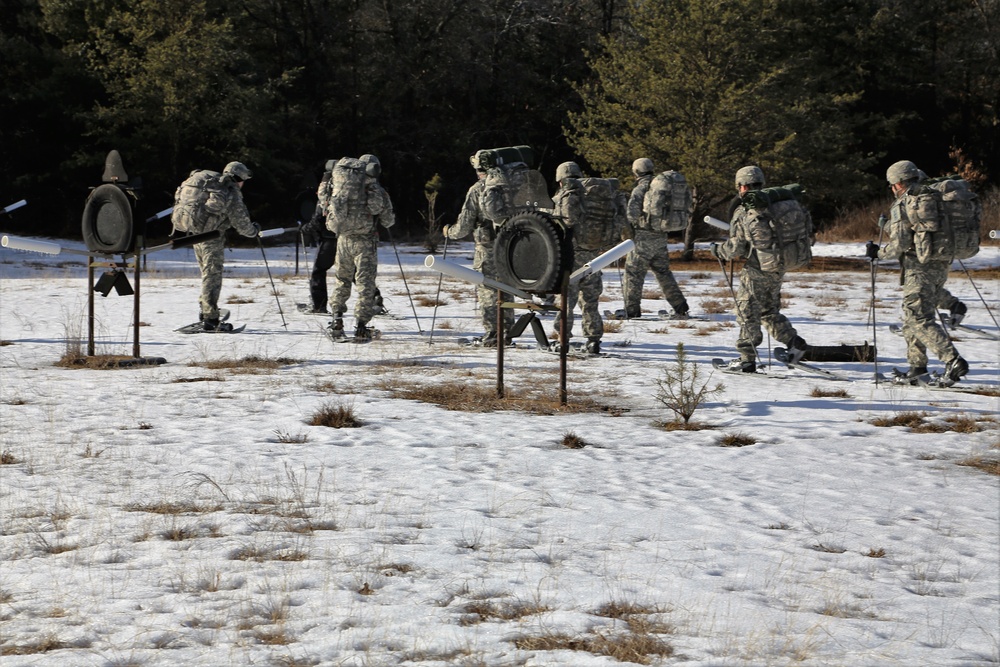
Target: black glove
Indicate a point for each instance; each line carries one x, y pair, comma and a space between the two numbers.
715, 250
871, 250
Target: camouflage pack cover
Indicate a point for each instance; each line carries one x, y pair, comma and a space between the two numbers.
201, 202
346, 204
602, 202
781, 234
668, 203
512, 188
944, 216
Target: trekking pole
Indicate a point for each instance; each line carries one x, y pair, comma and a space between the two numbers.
302, 240
437, 297
400, 263
978, 293
736, 301
274, 289
871, 313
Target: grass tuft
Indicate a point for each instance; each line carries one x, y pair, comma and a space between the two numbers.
573, 441
737, 440
335, 415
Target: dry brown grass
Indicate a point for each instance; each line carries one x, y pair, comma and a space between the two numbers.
737, 440
626, 647
480, 611
988, 464
248, 364
335, 415
876, 553
428, 301
75, 359
818, 392
7, 458
43, 644
480, 397
573, 441
918, 422
173, 507
713, 307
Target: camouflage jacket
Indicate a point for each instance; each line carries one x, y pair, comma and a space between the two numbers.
472, 218
634, 213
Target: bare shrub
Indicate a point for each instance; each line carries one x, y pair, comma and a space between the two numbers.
681, 389
335, 415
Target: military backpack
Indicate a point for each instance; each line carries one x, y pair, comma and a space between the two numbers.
200, 203
944, 215
603, 211
779, 227
668, 203
347, 201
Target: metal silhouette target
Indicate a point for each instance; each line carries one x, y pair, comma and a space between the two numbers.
533, 253
107, 220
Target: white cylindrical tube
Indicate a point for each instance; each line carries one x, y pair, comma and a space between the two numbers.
30, 245
470, 276
162, 214
264, 233
601, 261
15, 205
715, 222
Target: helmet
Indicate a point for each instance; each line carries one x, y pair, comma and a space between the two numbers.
568, 170
642, 166
751, 175
330, 164
901, 172
476, 163
372, 166
237, 171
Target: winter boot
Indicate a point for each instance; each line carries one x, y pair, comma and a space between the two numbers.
633, 313
742, 366
336, 328
681, 312
957, 313
956, 369
911, 376
593, 346
213, 324
362, 331
797, 350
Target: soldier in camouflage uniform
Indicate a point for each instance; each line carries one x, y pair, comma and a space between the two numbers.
571, 210
651, 252
357, 256
923, 282
210, 254
472, 220
758, 300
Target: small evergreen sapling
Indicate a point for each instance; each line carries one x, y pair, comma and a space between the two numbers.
681, 389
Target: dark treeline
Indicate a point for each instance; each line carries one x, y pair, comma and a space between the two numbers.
822, 93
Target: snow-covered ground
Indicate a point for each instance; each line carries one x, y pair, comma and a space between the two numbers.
188, 514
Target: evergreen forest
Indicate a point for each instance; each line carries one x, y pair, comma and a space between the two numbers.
823, 93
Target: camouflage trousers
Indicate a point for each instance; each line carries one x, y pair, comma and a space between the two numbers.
356, 262
483, 262
210, 256
923, 285
758, 301
650, 254
588, 291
